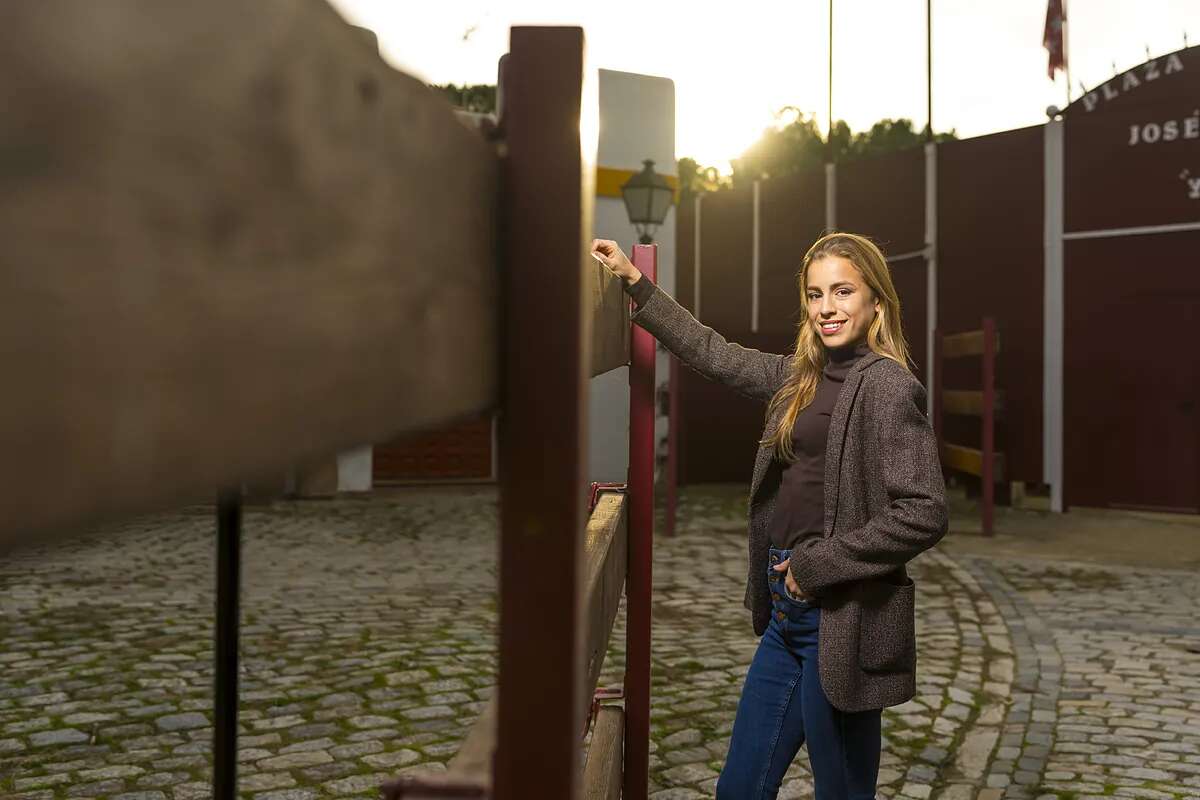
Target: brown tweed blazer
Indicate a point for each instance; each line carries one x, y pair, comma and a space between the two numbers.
884, 504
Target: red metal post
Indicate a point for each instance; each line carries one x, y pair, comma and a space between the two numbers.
546, 225
672, 443
989, 403
641, 546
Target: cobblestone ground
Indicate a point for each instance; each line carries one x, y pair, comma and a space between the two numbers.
368, 643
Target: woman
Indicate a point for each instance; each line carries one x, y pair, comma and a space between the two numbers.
847, 488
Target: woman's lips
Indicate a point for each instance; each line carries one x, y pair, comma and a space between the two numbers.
834, 328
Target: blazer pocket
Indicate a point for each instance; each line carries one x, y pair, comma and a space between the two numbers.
887, 640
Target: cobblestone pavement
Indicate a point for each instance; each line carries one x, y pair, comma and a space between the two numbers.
366, 655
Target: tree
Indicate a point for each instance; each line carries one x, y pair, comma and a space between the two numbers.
795, 143
694, 178
480, 97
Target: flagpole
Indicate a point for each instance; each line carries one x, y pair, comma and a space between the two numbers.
1066, 49
829, 111
929, 70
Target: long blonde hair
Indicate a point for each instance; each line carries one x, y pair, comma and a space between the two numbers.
885, 335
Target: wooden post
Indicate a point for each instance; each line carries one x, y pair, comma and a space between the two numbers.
989, 417
641, 546
547, 213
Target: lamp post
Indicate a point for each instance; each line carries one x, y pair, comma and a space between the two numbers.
648, 197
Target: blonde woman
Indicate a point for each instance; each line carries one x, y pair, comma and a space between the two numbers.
847, 488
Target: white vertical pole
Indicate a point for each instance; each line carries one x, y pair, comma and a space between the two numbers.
830, 197
1052, 317
931, 267
696, 260
754, 263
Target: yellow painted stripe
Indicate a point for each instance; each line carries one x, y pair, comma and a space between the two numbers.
609, 181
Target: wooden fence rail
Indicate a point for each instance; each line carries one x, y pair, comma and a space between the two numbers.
984, 403
235, 240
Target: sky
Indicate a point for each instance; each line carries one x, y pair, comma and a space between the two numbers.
736, 64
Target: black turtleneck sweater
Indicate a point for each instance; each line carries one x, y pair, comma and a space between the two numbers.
800, 505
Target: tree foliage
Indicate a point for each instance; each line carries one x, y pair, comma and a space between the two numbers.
795, 143
480, 97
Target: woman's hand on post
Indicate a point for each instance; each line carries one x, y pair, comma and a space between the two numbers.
609, 253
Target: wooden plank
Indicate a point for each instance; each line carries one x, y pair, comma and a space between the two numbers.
604, 577
968, 403
604, 574
605, 563
610, 319
970, 460
234, 240
547, 203
970, 343
602, 772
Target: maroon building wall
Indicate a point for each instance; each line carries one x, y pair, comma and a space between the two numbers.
1131, 381
990, 263
884, 198
791, 218
718, 428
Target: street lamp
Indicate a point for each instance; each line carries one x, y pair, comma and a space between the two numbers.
648, 197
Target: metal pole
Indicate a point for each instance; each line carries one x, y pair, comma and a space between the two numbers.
1066, 51
989, 403
829, 110
641, 547
225, 711
929, 70
673, 421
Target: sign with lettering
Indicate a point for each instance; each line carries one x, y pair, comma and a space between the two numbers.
1135, 78
1132, 148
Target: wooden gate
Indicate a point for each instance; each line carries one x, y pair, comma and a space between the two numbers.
235, 240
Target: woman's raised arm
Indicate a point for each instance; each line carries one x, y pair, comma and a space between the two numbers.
747, 371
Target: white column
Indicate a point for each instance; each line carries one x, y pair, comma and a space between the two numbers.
754, 263
931, 265
1052, 317
830, 197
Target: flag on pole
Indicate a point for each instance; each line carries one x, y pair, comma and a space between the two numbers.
1052, 38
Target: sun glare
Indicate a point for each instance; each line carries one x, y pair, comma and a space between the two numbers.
715, 135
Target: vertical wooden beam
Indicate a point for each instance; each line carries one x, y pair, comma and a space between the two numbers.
641, 546
548, 113
989, 418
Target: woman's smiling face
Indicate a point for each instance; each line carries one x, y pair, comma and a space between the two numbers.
841, 306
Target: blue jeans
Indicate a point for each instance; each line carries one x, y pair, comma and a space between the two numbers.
783, 705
